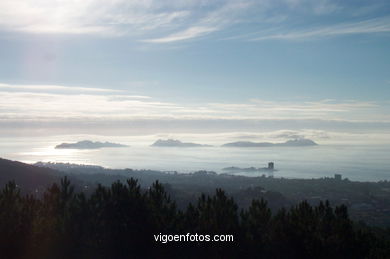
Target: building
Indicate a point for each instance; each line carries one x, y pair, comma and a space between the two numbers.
271, 165
337, 177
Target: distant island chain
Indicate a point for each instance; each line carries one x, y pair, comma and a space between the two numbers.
88, 144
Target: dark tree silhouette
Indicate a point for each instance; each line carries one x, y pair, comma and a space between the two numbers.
121, 221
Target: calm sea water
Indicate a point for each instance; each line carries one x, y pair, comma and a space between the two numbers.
356, 162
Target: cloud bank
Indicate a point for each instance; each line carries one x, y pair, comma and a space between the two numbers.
49, 110
52, 101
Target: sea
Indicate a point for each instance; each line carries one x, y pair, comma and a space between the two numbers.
355, 162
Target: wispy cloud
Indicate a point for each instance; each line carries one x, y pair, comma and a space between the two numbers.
55, 88
158, 22
50, 110
189, 33
177, 20
100, 17
79, 103
217, 19
362, 27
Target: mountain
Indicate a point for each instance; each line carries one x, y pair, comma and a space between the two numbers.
87, 144
290, 143
175, 143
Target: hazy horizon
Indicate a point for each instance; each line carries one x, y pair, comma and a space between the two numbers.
197, 71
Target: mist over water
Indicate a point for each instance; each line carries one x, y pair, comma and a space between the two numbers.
356, 162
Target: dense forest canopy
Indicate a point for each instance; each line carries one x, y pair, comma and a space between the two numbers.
120, 222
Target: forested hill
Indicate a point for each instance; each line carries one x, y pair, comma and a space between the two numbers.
121, 219
28, 177
366, 201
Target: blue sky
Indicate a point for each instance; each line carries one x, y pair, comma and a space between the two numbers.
182, 60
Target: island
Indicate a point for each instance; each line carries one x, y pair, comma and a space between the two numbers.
175, 143
290, 143
87, 144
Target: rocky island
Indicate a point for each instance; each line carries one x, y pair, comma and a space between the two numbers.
87, 144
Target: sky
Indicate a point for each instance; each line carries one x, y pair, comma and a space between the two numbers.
117, 67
